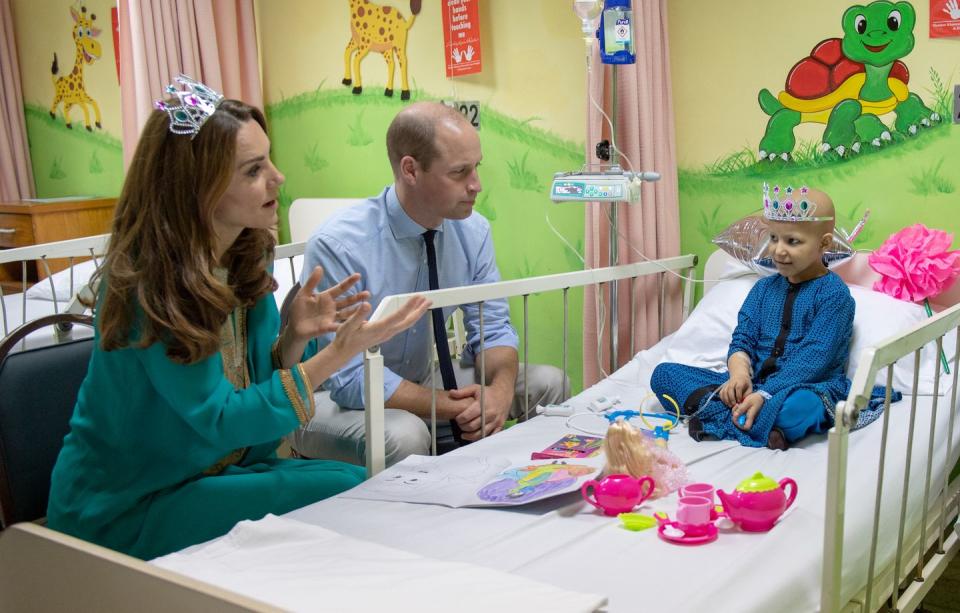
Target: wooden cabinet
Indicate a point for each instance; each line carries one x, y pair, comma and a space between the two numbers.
25, 223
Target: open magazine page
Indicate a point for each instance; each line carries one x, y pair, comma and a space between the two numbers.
474, 481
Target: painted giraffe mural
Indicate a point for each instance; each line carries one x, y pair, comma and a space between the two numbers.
382, 29
69, 89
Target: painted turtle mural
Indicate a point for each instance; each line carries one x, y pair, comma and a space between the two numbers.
848, 83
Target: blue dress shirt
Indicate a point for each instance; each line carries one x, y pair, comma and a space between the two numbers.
379, 240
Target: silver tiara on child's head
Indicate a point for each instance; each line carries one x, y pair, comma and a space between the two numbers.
787, 205
195, 104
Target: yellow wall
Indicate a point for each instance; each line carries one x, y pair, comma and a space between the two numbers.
722, 54
533, 62
44, 27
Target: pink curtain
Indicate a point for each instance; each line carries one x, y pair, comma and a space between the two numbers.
213, 41
645, 133
16, 174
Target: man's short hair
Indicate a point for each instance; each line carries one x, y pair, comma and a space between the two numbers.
413, 132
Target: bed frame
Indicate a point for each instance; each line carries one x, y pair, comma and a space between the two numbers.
73, 250
93, 247
925, 545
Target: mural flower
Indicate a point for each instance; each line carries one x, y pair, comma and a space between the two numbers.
915, 263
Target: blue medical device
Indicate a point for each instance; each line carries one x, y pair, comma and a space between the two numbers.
616, 33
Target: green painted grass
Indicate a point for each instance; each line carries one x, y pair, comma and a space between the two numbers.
904, 183
72, 161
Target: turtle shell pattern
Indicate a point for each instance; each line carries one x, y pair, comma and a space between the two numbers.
827, 68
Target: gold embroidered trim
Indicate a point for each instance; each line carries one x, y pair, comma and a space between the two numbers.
231, 458
308, 386
233, 348
275, 356
293, 394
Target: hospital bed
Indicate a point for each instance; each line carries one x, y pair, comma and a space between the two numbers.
58, 291
873, 503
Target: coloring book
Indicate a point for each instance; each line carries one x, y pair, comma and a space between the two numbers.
473, 481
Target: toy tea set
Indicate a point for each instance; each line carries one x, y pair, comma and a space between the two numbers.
640, 466
754, 506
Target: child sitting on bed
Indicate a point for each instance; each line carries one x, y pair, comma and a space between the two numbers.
789, 350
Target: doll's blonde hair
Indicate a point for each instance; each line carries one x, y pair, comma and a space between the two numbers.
629, 452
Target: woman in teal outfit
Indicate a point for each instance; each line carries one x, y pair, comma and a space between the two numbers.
192, 382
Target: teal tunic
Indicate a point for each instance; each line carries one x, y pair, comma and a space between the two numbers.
162, 455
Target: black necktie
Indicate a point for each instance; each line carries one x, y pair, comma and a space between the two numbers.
439, 329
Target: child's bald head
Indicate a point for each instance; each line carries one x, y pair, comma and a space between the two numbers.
797, 247
824, 208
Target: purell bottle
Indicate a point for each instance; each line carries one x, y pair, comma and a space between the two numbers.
616, 33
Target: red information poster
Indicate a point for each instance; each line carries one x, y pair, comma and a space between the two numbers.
944, 18
461, 37
115, 22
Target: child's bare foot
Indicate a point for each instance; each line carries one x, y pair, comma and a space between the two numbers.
776, 440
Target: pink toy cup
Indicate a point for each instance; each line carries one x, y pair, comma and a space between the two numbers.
693, 514
704, 490
615, 494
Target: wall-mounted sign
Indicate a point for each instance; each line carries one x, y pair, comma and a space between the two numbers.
944, 18
461, 37
469, 109
115, 23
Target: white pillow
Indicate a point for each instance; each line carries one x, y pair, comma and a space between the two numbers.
879, 317
704, 338
61, 283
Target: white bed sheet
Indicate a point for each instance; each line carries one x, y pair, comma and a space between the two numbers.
567, 543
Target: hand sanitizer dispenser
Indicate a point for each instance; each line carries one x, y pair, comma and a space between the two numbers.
616, 33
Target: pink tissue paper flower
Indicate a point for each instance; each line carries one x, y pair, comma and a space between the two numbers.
915, 263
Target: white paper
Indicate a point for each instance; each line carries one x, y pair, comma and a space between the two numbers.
474, 481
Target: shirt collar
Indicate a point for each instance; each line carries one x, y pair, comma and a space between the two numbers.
400, 223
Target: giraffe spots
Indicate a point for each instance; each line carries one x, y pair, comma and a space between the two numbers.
361, 12
75, 69
386, 9
391, 37
382, 30
365, 24
70, 85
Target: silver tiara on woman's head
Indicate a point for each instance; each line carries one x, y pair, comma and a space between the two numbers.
783, 205
195, 104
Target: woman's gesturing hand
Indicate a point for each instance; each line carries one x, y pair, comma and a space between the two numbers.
356, 333
313, 314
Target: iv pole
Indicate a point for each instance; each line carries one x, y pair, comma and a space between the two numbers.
614, 236
589, 11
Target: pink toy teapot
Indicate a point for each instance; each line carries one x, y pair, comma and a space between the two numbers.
615, 494
758, 502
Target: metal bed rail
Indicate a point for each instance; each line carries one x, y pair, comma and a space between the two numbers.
373, 360
94, 247
925, 546
72, 249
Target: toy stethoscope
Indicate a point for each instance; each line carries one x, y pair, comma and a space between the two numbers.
660, 433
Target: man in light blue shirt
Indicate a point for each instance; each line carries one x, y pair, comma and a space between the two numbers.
434, 153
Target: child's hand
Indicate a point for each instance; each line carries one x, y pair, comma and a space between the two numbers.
735, 389
749, 408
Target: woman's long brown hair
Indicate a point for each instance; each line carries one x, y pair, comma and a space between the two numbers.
158, 271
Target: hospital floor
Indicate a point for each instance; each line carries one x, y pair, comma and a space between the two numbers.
945, 595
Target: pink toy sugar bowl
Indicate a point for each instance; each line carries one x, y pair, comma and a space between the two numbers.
758, 502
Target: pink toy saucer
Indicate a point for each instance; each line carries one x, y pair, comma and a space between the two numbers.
670, 531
